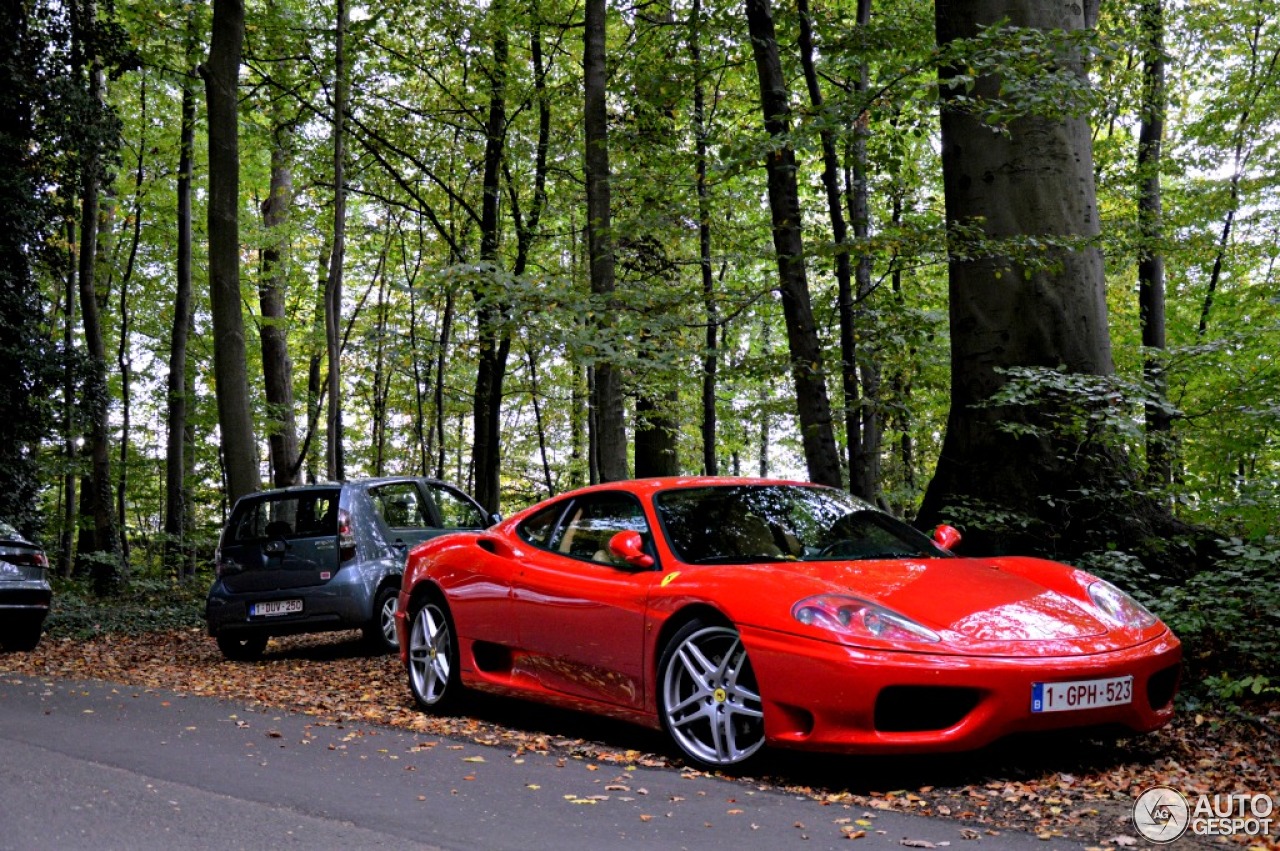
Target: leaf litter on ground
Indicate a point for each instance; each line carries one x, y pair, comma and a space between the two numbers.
1073, 788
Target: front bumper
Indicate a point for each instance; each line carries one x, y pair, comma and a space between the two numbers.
831, 697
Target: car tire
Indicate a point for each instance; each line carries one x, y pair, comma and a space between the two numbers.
708, 697
434, 677
380, 633
242, 648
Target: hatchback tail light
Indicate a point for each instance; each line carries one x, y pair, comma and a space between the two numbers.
346, 537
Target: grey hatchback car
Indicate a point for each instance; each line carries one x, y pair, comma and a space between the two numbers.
325, 557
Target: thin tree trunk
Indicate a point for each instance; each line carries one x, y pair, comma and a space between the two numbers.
124, 344
70, 426
277, 365
864, 470
335, 458
710, 353
812, 402
177, 494
492, 312
1151, 288
108, 567
442, 361
610, 436
317, 383
221, 75
538, 423
1259, 79
840, 238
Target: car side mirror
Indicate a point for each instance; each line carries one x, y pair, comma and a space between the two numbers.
946, 536
629, 547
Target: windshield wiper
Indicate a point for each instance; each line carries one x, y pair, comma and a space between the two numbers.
740, 558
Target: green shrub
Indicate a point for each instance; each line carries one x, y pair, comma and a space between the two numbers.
1226, 616
144, 605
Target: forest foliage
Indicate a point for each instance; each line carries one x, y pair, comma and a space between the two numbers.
465, 234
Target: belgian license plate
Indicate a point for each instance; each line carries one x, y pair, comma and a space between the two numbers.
275, 607
1081, 694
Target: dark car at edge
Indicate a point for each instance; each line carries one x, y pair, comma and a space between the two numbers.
25, 593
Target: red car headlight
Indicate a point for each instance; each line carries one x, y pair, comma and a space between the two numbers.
1119, 607
855, 618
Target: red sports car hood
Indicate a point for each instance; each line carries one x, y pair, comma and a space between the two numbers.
1013, 606
976, 599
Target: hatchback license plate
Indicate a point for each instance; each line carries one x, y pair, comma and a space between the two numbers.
1081, 694
275, 607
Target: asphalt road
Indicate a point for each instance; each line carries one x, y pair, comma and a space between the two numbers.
106, 766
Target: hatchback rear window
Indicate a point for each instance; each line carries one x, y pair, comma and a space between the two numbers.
303, 515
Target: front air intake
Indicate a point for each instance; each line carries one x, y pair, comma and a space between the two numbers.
918, 709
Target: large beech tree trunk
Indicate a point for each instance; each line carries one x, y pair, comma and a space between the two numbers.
1035, 180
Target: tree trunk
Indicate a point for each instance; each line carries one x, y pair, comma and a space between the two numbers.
381, 377
710, 353
175, 466
107, 565
656, 435
864, 461
317, 383
862, 422
231, 374
492, 312
442, 361
609, 437
334, 456
812, 403
1151, 289
70, 424
277, 366
1035, 180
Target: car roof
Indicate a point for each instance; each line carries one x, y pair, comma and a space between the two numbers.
363, 482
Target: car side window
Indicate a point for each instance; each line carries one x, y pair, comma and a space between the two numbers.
593, 520
401, 506
456, 511
538, 529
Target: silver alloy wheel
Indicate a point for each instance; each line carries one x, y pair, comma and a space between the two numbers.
387, 621
710, 701
430, 654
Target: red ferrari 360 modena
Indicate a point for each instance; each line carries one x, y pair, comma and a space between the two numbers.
735, 613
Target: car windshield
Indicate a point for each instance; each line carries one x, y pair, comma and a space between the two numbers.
759, 523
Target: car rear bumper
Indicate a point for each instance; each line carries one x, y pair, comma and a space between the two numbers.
328, 607
826, 696
29, 597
